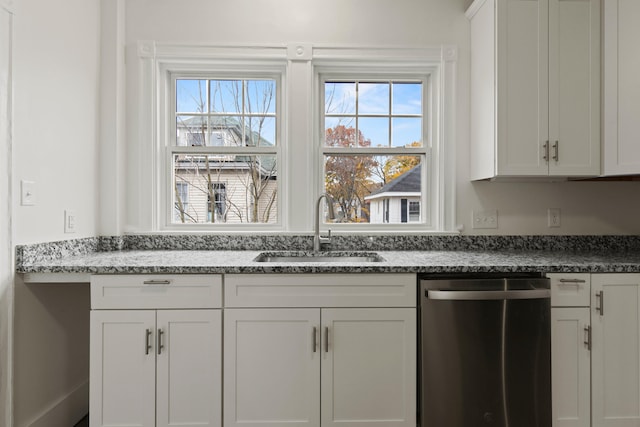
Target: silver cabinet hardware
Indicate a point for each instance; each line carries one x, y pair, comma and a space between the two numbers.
315, 339
326, 339
573, 281
600, 302
160, 345
157, 282
147, 341
546, 151
556, 151
587, 337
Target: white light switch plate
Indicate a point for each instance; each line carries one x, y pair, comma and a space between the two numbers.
27, 193
69, 221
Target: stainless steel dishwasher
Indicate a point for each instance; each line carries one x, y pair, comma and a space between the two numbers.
485, 352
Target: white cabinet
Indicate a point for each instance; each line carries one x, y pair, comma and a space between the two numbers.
535, 88
154, 367
615, 319
570, 350
621, 67
303, 366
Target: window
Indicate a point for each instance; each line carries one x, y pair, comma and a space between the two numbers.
225, 148
278, 125
374, 146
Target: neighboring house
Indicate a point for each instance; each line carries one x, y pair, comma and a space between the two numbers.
398, 201
223, 188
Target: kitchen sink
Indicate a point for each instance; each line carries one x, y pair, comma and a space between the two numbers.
318, 257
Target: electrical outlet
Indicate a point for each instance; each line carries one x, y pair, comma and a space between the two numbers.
485, 219
553, 217
69, 221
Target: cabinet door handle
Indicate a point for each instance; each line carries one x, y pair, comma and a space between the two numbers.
587, 337
556, 151
326, 339
147, 341
546, 151
573, 281
314, 339
160, 346
600, 302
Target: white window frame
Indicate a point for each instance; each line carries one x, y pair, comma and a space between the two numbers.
149, 207
436, 68
162, 65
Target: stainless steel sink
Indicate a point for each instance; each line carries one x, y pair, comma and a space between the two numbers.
318, 257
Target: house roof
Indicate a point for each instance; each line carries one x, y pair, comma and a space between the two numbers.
408, 182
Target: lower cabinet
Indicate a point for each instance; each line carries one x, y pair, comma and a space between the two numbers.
615, 319
155, 367
595, 350
320, 367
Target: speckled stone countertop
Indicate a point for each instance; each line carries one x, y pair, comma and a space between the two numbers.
402, 254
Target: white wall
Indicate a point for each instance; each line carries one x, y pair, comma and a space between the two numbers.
586, 208
55, 133
6, 248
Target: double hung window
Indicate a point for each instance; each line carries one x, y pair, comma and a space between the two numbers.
375, 147
224, 152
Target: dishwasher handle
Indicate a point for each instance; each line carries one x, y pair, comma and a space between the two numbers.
487, 295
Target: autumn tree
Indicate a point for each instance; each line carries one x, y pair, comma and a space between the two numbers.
348, 177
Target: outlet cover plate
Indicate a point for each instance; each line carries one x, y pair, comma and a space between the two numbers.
485, 219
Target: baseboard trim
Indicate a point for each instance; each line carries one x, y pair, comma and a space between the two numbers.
67, 411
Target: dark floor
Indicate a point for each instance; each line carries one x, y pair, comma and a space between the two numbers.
83, 422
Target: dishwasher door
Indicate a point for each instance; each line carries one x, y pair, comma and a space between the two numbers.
485, 349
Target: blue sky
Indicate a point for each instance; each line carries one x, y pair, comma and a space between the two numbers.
376, 99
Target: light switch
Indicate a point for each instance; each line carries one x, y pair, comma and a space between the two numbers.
27, 193
69, 221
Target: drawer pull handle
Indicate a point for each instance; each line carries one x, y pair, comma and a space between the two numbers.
147, 341
573, 281
157, 282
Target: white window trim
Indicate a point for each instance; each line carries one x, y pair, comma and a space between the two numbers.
149, 210
160, 64
439, 64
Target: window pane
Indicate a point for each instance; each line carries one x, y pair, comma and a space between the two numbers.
225, 131
375, 130
373, 98
191, 130
343, 136
226, 189
260, 96
340, 98
407, 98
191, 96
226, 96
261, 131
369, 189
407, 132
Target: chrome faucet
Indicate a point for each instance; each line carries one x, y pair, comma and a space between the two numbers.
317, 239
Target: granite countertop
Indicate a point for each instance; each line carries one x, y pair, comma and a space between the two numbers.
613, 254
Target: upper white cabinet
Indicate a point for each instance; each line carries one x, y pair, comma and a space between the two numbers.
535, 88
621, 87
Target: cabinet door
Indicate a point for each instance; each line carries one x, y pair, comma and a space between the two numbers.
369, 367
574, 87
271, 367
122, 368
571, 367
621, 67
189, 368
616, 350
523, 100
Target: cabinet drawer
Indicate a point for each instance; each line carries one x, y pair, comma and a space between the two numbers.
320, 290
156, 291
570, 289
